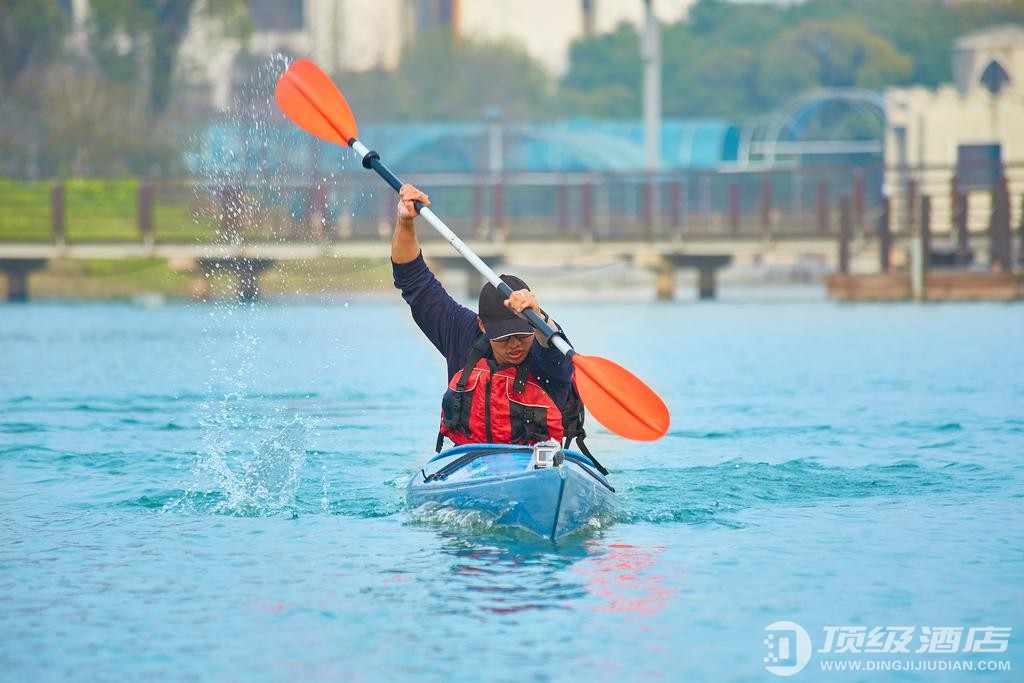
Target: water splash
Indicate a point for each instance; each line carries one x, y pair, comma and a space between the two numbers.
480, 523
450, 518
261, 179
262, 482
247, 165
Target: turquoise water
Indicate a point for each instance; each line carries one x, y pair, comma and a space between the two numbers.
215, 493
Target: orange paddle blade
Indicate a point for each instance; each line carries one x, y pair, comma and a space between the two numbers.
619, 400
310, 99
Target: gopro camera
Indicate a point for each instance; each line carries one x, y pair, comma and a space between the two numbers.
546, 454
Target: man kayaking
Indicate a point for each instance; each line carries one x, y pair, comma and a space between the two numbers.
506, 384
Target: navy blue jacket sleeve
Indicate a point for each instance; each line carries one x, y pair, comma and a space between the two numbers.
450, 326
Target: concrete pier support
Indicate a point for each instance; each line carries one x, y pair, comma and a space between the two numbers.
474, 280
665, 278
17, 272
247, 271
707, 266
706, 283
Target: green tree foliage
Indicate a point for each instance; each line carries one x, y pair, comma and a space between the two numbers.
137, 41
604, 76
831, 55
31, 33
72, 119
439, 78
729, 59
103, 110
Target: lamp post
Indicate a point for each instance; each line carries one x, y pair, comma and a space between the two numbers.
650, 53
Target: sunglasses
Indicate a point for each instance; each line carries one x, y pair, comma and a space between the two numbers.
522, 338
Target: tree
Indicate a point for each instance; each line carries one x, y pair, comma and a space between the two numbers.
829, 54
921, 29
462, 78
444, 78
749, 26
718, 82
731, 58
138, 40
70, 118
603, 78
31, 34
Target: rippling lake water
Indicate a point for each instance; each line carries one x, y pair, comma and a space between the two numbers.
216, 493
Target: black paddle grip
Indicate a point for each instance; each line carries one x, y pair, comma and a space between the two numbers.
538, 322
372, 160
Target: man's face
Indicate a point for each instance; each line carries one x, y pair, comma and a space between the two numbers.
512, 350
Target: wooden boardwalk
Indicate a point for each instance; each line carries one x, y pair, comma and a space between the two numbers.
705, 255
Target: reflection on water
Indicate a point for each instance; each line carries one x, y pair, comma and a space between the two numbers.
508, 571
629, 578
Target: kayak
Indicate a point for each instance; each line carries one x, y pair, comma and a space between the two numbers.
542, 488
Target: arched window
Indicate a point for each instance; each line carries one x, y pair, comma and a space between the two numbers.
994, 77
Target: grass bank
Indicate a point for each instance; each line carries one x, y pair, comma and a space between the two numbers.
126, 278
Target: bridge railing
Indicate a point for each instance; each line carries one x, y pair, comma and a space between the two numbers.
515, 206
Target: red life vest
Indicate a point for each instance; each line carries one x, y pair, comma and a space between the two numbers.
511, 403
486, 405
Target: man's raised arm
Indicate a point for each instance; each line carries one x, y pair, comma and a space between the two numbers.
404, 245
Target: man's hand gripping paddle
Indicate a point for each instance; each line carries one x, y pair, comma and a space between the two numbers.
612, 394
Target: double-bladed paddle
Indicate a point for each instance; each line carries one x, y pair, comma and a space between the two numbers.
613, 395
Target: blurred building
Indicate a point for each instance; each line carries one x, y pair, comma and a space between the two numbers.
972, 129
356, 35
546, 29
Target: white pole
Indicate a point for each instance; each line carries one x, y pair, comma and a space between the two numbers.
650, 53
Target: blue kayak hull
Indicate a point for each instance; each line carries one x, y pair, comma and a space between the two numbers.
500, 481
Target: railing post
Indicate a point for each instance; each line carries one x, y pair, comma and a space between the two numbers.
328, 229
734, 207
587, 208
647, 207
766, 206
705, 202
926, 232
858, 199
562, 207
1020, 233
821, 208
845, 230
911, 207
57, 216
146, 213
478, 211
675, 193
498, 209
920, 253
884, 237
963, 237
229, 198
999, 227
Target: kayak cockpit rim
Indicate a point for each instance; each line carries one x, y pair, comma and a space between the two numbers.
470, 452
